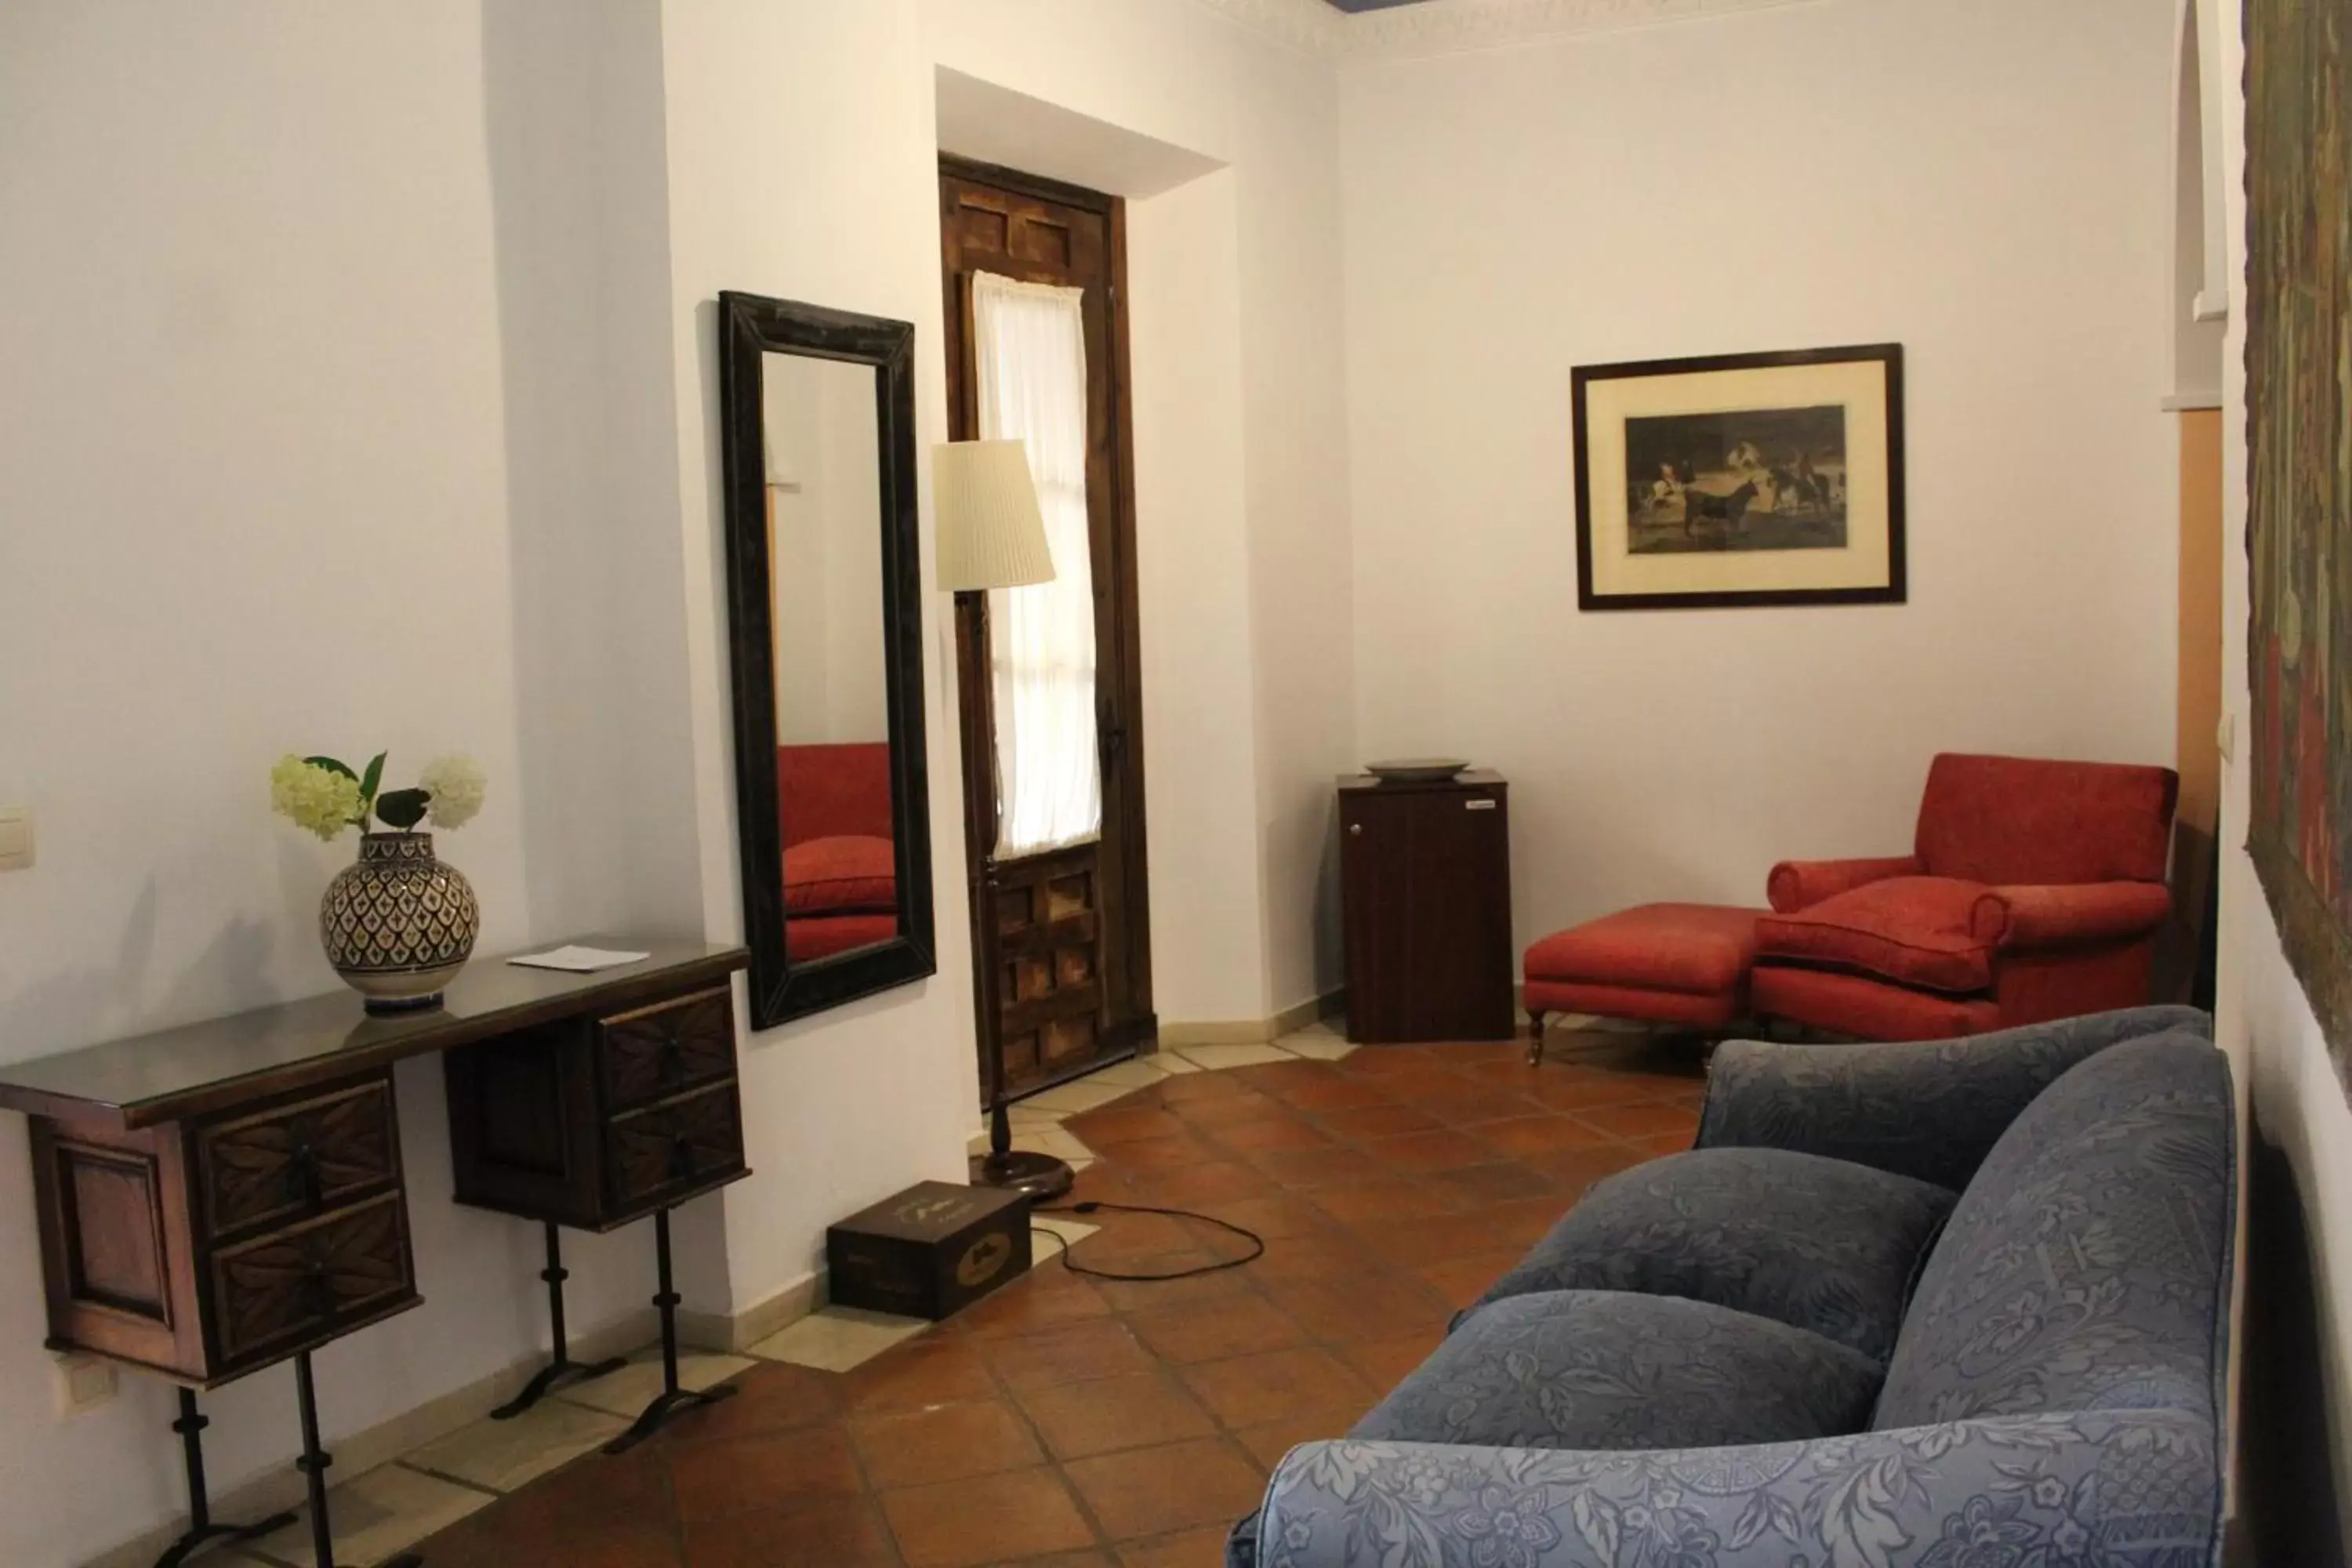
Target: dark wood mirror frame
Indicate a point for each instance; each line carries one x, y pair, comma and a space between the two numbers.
749, 328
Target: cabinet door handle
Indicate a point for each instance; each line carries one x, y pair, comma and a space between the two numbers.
1477, 805
1355, 830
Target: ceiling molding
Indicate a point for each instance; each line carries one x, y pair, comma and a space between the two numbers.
1454, 27
1306, 25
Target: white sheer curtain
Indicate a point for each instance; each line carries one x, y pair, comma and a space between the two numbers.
1030, 356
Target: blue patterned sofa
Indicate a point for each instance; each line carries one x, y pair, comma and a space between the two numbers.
1953, 1304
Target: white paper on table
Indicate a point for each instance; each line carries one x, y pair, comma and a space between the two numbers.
581, 960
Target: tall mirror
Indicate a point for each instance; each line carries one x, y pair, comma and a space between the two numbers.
818, 429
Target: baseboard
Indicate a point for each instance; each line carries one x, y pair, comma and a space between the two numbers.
733, 1333
1253, 1031
362, 1452
380, 1444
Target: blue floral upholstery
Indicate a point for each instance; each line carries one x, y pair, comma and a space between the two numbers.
2053, 1401
2135, 1488
1927, 1109
1584, 1369
1821, 1243
2087, 1268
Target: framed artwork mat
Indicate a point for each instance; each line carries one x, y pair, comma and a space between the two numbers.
1764, 478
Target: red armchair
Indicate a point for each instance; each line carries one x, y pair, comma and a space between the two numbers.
2034, 890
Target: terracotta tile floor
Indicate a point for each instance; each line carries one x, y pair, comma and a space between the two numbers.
1073, 1422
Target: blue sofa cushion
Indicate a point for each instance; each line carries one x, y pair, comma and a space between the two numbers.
1585, 1369
1815, 1243
2086, 1267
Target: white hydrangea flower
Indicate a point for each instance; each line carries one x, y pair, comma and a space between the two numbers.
317, 798
457, 785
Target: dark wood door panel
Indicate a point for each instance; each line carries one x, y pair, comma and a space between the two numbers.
1036, 967
1427, 912
1460, 877
1378, 916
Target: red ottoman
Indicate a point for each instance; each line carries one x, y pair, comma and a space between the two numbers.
1663, 964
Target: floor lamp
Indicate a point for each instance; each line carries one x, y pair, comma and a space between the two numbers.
991, 535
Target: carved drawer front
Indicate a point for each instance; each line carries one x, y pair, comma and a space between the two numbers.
278, 1293
656, 1051
294, 1161
679, 1144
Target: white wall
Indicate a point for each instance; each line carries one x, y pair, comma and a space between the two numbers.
2298, 1101
259, 497
1201, 737
1988, 185
399, 431
801, 166
803, 163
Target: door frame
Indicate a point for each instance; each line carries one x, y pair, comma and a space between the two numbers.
1121, 744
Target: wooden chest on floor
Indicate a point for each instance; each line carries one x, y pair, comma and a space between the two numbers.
929, 1252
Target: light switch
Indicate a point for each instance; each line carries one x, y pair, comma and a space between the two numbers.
16, 837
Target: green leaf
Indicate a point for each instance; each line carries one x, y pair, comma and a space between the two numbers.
403, 808
332, 765
372, 777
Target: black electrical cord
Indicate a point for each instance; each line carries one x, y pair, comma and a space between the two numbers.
1258, 1242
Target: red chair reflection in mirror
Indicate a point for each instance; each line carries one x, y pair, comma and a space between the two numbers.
841, 885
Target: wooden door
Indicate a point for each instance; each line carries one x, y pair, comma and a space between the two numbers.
1061, 940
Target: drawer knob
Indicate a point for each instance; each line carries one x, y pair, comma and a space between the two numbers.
1355, 830
302, 1185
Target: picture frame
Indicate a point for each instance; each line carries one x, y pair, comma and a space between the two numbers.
1740, 480
2299, 498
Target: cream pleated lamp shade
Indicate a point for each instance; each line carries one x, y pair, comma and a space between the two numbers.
990, 534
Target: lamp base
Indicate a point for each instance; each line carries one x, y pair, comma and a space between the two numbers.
1041, 1177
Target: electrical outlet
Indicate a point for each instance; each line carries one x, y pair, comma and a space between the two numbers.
16, 837
83, 1383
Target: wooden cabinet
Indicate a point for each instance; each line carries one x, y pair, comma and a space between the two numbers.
1426, 887
207, 1248
596, 1121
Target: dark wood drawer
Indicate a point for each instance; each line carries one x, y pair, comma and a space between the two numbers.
655, 1052
653, 1156
305, 1285
277, 1166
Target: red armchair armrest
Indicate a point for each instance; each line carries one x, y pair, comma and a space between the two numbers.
2069, 916
1800, 884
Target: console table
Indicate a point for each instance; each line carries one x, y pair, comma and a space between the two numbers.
220, 1197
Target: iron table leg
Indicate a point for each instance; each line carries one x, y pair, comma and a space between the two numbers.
313, 1465
202, 1532
561, 1366
672, 1398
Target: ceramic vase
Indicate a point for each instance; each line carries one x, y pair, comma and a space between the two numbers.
397, 923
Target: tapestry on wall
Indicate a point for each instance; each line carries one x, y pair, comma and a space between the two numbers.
2299, 538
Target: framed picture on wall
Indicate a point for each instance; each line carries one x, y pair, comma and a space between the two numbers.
1768, 478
